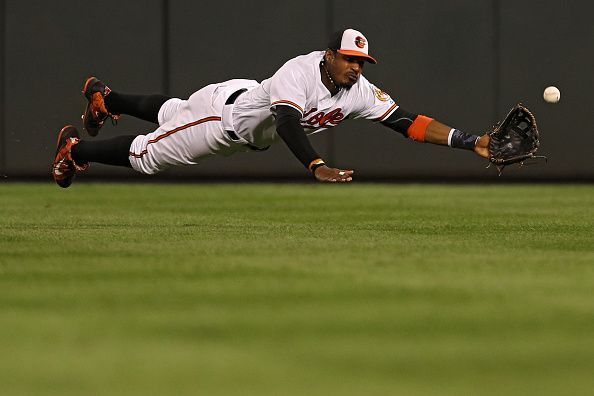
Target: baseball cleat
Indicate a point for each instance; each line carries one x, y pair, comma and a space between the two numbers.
95, 112
64, 168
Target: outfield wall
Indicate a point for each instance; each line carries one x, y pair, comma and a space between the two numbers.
463, 62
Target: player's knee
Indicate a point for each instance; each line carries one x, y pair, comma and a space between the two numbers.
149, 171
144, 168
169, 109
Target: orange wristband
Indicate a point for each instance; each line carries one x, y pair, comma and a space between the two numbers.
416, 131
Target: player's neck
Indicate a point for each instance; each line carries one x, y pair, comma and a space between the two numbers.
328, 81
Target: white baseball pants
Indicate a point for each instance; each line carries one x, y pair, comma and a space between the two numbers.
189, 130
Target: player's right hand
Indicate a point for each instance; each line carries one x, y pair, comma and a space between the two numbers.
482, 146
333, 175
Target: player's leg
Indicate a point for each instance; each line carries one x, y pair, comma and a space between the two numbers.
178, 143
114, 151
105, 103
167, 146
74, 154
193, 132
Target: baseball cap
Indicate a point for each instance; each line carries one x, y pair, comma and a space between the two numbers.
351, 42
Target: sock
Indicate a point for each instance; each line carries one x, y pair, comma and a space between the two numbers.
145, 107
114, 151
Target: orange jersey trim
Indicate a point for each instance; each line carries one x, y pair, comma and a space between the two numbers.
288, 102
181, 128
416, 131
387, 113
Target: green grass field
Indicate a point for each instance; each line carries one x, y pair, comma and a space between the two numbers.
133, 289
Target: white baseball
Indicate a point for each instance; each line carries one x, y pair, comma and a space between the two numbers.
551, 95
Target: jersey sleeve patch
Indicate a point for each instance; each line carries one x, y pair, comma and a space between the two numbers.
380, 95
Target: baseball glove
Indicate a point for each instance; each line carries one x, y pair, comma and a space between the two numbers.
515, 139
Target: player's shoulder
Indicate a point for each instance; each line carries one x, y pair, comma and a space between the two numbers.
304, 63
364, 84
367, 88
363, 87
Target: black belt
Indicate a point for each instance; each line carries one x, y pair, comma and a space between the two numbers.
231, 99
232, 135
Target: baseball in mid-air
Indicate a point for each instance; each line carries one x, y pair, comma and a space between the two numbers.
551, 95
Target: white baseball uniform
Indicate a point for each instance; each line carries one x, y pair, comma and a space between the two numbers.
204, 125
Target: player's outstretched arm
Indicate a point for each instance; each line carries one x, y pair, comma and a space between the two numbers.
425, 129
438, 133
290, 130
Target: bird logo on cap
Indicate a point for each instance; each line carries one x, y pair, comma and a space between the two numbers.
360, 42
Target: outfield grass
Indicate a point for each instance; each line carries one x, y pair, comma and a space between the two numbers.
116, 289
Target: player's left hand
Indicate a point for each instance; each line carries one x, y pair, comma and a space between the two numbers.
333, 175
482, 146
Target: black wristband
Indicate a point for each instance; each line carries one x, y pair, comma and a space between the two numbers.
462, 140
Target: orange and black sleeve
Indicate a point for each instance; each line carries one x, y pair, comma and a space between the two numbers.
411, 125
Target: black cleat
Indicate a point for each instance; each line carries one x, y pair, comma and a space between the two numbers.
96, 113
64, 168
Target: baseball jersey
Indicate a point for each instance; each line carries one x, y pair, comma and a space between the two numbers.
298, 84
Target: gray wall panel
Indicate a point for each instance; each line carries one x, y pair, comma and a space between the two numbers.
552, 44
49, 54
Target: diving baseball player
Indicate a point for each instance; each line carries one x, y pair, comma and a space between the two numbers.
308, 94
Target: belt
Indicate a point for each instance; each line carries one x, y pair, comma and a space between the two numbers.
229, 125
231, 99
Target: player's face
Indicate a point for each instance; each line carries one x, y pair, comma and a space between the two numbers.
345, 70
